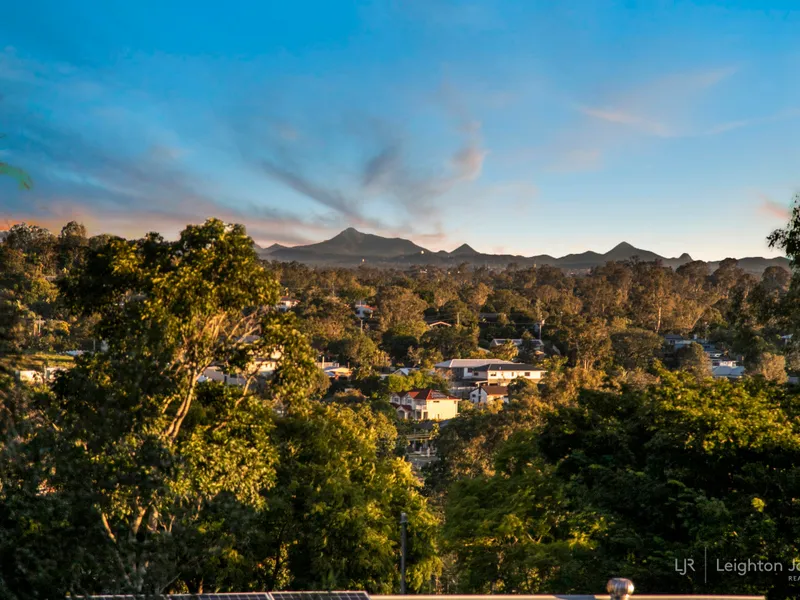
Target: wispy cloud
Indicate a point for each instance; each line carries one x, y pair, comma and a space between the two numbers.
132, 173
773, 209
624, 118
661, 107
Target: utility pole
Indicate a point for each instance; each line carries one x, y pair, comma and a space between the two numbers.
403, 525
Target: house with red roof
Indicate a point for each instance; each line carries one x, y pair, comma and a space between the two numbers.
424, 405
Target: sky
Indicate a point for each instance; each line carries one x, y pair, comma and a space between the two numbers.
517, 127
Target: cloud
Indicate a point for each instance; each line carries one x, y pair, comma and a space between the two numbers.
774, 209
128, 162
371, 172
661, 107
634, 121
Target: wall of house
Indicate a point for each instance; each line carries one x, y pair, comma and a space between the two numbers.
511, 375
440, 410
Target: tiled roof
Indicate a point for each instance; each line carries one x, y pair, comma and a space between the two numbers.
427, 394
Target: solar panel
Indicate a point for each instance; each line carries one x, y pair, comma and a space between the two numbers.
335, 595
228, 596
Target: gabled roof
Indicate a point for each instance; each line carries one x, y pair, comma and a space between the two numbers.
426, 394
495, 390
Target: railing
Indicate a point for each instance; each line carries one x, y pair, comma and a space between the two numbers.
618, 589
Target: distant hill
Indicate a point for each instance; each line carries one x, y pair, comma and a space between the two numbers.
352, 248
464, 250
348, 246
262, 252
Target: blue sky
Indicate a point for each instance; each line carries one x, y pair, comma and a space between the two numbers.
522, 127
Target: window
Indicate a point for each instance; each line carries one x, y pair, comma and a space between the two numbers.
527, 373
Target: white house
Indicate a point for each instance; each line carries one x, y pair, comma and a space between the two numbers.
508, 372
424, 405
727, 372
485, 393
467, 368
723, 362
363, 310
286, 304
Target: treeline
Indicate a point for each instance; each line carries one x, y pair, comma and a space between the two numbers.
612, 319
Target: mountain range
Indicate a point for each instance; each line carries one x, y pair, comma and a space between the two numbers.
352, 248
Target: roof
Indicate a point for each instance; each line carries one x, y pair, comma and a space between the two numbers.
438, 323
467, 363
504, 366
501, 341
673, 336
727, 371
495, 390
427, 394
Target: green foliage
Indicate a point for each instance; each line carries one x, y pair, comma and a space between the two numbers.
565, 505
694, 360
416, 380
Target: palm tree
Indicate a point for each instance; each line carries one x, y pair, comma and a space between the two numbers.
23, 179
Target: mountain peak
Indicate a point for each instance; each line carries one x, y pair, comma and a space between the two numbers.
350, 232
463, 250
623, 246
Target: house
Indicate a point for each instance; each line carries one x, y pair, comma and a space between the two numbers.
720, 361
432, 324
338, 372
363, 310
402, 371
467, 368
676, 341
424, 405
727, 372
508, 372
286, 304
29, 376
485, 393
496, 342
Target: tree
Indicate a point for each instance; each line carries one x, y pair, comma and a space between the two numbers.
588, 340
635, 348
694, 360
359, 350
330, 520
771, 367
788, 238
131, 448
507, 351
400, 310
22, 178
718, 458
72, 242
451, 342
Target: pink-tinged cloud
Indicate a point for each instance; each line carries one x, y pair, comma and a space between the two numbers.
774, 209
